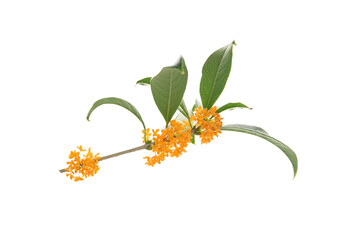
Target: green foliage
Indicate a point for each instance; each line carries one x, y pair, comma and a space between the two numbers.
196, 105
184, 111
192, 139
230, 106
117, 101
144, 81
168, 88
215, 73
261, 133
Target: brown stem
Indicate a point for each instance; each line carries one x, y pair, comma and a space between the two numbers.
145, 146
195, 131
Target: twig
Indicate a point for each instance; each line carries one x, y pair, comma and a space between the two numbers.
145, 146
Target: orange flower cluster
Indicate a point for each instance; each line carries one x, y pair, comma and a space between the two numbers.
208, 122
82, 167
170, 142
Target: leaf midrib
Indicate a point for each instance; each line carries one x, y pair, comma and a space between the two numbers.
169, 101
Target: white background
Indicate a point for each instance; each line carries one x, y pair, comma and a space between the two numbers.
296, 63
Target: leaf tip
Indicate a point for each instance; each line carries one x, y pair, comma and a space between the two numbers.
182, 65
144, 81
295, 169
234, 43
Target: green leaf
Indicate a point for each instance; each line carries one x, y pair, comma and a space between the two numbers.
183, 109
196, 105
116, 101
230, 106
192, 140
168, 88
261, 133
144, 81
215, 73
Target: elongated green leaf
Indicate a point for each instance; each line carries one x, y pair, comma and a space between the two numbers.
119, 102
144, 81
168, 88
249, 127
183, 109
261, 133
215, 73
230, 106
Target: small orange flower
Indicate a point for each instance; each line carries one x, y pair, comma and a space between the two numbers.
208, 123
170, 142
78, 168
147, 135
81, 149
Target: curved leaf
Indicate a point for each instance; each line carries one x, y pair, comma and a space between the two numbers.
215, 73
230, 106
119, 102
144, 81
168, 88
261, 133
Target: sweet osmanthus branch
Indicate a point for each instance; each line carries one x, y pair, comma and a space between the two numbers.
203, 119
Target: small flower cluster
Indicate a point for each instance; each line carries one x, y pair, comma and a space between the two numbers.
173, 140
208, 122
170, 142
78, 167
